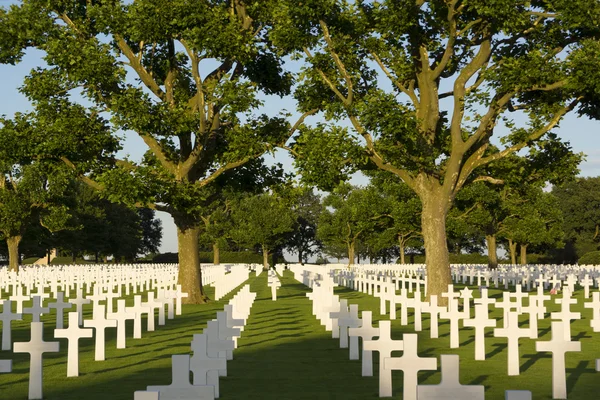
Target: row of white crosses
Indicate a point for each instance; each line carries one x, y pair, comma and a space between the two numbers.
211, 350
274, 283
225, 283
559, 345
348, 327
102, 319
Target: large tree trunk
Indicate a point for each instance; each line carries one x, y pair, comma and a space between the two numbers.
14, 258
401, 245
492, 251
265, 252
216, 254
300, 255
523, 254
351, 252
190, 275
512, 248
433, 221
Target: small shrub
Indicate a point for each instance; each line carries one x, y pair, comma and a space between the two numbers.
591, 258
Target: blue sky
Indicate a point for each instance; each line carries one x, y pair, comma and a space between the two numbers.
583, 133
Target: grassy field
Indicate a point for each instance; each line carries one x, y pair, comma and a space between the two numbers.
284, 353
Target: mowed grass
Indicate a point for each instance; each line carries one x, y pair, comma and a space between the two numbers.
145, 361
583, 382
284, 353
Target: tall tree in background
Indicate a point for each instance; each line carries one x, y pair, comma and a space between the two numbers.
185, 76
355, 212
535, 219
32, 192
403, 208
579, 202
262, 220
307, 207
455, 70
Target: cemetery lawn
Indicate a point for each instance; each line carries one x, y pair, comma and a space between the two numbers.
284, 353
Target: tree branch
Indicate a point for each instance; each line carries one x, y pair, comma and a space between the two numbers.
534, 136
137, 66
408, 91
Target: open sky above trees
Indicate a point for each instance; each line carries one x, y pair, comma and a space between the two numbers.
580, 131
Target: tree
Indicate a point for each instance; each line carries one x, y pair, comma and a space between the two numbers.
306, 206
350, 213
403, 208
185, 76
536, 219
262, 220
485, 206
455, 70
579, 201
32, 192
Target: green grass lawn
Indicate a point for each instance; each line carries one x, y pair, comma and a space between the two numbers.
284, 353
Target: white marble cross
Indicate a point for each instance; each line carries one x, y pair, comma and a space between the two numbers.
36, 310
226, 332
384, 345
480, 322
36, 347
7, 317
60, 305
451, 295
152, 305
97, 297
512, 332
586, 282
366, 332
5, 366
519, 296
350, 320
79, 302
40, 292
205, 369
217, 346
517, 395
139, 309
100, 323
565, 314
121, 316
450, 387
507, 306
178, 296
19, 298
418, 307
73, 333
466, 295
558, 346
533, 309
342, 313
485, 300
410, 364
145, 395
454, 316
181, 388
434, 311
595, 306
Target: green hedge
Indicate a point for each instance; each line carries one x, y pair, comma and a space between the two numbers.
591, 258
206, 257
454, 259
